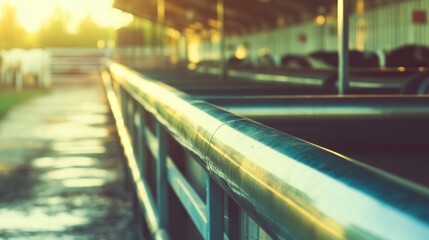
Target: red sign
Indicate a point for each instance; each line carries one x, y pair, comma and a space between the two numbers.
419, 17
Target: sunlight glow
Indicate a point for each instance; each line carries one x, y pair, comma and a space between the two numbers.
241, 52
360, 6
33, 13
320, 20
194, 50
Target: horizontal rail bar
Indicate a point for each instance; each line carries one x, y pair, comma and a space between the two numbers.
146, 200
314, 81
381, 78
290, 187
358, 106
276, 78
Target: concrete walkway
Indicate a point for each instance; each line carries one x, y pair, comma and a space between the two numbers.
61, 174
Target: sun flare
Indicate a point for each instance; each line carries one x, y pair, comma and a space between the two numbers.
32, 14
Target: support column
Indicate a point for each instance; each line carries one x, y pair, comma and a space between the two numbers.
142, 141
220, 7
343, 46
160, 25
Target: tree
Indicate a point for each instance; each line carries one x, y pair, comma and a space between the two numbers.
89, 33
12, 35
55, 34
54, 31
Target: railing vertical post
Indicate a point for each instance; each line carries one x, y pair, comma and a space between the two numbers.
131, 121
124, 110
161, 176
343, 46
141, 140
214, 200
136, 122
132, 126
124, 100
138, 146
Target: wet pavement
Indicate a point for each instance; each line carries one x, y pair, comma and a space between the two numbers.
61, 172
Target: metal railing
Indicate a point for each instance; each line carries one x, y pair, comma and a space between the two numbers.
291, 188
414, 81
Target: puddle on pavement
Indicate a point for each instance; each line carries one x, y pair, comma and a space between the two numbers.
78, 177
56, 119
80, 149
38, 220
85, 142
63, 195
84, 183
87, 204
92, 119
73, 173
52, 201
14, 143
95, 108
73, 130
64, 162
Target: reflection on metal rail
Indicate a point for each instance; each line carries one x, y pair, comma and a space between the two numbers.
291, 188
411, 81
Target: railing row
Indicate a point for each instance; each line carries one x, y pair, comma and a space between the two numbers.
291, 188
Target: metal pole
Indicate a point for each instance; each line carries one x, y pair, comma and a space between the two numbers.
161, 11
221, 24
161, 176
139, 146
322, 36
161, 19
142, 141
131, 121
186, 49
124, 100
215, 210
343, 43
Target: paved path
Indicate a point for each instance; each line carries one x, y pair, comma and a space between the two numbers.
61, 171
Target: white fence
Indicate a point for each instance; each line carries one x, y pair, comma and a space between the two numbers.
41, 68
76, 64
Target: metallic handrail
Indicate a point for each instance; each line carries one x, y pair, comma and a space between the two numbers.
142, 188
326, 78
332, 106
292, 188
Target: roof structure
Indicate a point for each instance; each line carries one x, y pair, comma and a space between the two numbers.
240, 15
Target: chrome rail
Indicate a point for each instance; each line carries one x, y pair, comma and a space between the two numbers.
291, 188
332, 106
411, 81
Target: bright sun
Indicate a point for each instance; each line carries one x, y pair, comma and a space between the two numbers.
32, 13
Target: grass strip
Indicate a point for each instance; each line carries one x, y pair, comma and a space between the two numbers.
10, 99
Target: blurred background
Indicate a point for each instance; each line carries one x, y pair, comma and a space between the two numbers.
351, 76
58, 23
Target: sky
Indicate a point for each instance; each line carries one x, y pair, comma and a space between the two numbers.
32, 13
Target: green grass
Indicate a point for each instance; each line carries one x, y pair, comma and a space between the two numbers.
10, 99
